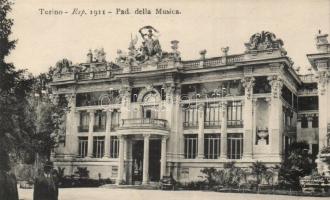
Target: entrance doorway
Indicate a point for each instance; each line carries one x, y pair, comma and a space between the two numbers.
137, 155
154, 160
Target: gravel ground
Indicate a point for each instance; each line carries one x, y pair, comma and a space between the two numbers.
133, 194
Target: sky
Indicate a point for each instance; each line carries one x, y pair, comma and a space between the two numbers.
202, 24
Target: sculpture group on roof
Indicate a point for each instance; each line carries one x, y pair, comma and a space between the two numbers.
264, 41
149, 51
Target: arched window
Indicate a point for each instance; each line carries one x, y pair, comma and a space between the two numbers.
151, 97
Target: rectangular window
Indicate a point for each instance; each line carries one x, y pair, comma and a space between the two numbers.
115, 120
98, 146
100, 121
304, 121
114, 147
83, 122
190, 146
235, 145
212, 115
211, 146
234, 114
83, 146
190, 116
315, 122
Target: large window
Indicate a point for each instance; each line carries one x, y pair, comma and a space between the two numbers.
100, 121
115, 120
304, 121
83, 146
190, 116
190, 146
211, 146
84, 122
308, 103
234, 114
98, 146
235, 145
212, 115
315, 121
114, 147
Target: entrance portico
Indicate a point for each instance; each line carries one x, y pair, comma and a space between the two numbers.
154, 134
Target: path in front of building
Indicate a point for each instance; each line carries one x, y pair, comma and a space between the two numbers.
133, 194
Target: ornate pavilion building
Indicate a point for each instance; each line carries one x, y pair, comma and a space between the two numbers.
151, 114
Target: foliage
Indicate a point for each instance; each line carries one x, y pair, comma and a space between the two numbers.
82, 172
258, 170
229, 176
297, 164
325, 149
15, 85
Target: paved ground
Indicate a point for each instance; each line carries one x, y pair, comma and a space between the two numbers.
133, 194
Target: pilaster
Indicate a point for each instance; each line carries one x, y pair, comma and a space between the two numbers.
90, 133
107, 134
200, 149
248, 83
223, 146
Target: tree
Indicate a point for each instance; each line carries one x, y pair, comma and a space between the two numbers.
15, 85
298, 163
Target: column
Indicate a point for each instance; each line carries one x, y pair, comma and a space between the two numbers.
163, 157
107, 134
145, 176
248, 83
90, 133
275, 117
71, 128
299, 128
121, 160
200, 149
223, 146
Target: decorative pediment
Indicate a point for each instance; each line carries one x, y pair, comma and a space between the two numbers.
264, 41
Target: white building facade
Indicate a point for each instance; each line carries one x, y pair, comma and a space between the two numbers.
149, 114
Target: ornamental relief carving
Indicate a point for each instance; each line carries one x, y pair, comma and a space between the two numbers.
248, 84
276, 83
323, 79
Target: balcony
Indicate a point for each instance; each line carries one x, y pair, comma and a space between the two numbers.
99, 128
212, 124
143, 126
83, 128
235, 123
190, 125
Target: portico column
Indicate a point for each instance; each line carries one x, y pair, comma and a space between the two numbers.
163, 157
223, 152
71, 128
200, 148
145, 176
90, 133
275, 119
248, 83
121, 160
107, 134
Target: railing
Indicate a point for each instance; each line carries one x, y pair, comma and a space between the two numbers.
235, 58
101, 74
308, 78
162, 66
136, 69
144, 123
212, 124
98, 128
83, 128
84, 76
191, 64
235, 123
188, 125
213, 62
